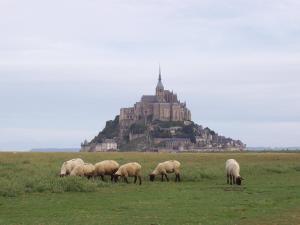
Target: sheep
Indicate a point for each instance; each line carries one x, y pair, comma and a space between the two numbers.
129, 170
171, 166
232, 168
68, 166
86, 169
106, 167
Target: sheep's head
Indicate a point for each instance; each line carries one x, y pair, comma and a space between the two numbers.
63, 169
151, 176
239, 180
62, 174
116, 177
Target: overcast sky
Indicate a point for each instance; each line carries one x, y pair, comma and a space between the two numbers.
68, 66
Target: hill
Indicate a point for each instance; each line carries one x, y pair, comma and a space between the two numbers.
162, 135
159, 122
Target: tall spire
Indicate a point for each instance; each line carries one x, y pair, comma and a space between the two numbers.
159, 86
159, 73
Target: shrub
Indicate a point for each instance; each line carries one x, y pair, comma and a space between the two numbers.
276, 170
26, 161
297, 168
137, 128
10, 188
77, 184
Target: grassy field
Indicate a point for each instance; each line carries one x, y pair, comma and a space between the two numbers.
31, 192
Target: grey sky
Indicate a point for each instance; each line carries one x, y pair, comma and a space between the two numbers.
68, 66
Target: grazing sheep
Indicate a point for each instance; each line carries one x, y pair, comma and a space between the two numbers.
232, 168
171, 166
68, 166
129, 170
106, 167
86, 169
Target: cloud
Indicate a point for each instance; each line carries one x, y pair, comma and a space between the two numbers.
73, 64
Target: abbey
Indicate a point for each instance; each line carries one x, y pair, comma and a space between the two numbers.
163, 106
158, 122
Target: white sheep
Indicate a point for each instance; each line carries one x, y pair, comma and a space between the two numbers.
129, 170
171, 166
106, 167
232, 169
69, 165
86, 169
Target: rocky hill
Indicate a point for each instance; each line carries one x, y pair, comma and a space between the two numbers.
159, 122
162, 136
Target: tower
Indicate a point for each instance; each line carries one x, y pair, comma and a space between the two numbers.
159, 88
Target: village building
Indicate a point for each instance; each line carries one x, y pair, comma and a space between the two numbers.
107, 145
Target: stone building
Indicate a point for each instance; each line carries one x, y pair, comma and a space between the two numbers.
105, 146
163, 106
171, 144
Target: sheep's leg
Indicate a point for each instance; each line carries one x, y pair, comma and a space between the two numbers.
116, 179
227, 178
230, 176
140, 179
125, 178
178, 177
233, 178
111, 177
135, 178
102, 177
167, 177
162, 177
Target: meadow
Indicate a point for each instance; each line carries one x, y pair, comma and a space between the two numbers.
31, 192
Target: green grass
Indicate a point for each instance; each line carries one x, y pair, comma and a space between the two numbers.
31, 192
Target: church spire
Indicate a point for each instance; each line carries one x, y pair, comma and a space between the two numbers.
159, 87
159, 74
